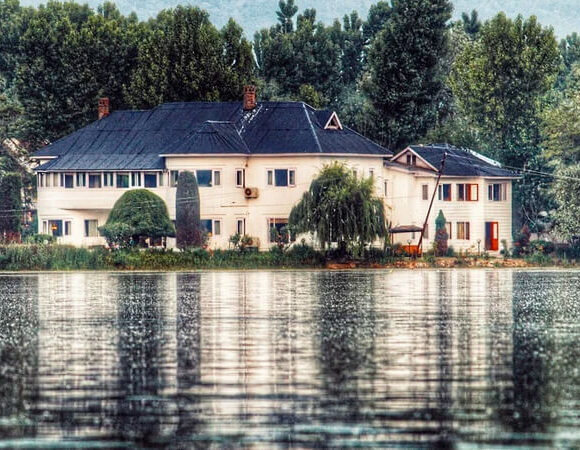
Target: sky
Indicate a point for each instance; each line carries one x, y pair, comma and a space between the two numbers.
563, 15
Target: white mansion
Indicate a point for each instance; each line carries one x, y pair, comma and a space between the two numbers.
253, 161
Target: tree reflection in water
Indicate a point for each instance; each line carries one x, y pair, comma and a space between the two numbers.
18, 355
188, 332
140, 323
345, 329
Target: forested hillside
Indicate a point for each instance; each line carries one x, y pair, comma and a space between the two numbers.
563, 15
398, 71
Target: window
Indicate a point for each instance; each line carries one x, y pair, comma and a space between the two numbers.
94, 180
425, 191
217, 178
372, 173
411, 159
278, 230
282, 177
55, 179
468, 192
212, 227
241, 226
41, 180
448, 228
203, 178
463, 231
240, 177
123, 180
445, 192
173, 176
91, 228
150, 180
108, 179
497, 192
55, 227
426, 231
161, 176
135, 178
81, 179
68, 180
47, 180
386, 188
354, 173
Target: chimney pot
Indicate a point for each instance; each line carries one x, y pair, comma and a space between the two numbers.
104, 108
249, 98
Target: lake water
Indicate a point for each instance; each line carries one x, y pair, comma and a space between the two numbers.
290, 359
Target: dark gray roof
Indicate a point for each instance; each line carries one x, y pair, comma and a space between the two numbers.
212, 138
135, 139
460, 162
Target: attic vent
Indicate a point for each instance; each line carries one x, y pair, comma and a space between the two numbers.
333, 123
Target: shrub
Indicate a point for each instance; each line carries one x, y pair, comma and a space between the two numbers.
441, 236
141, 213
39, 239
543, 247
522, 242
305, 255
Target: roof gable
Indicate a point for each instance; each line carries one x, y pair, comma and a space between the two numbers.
461, 162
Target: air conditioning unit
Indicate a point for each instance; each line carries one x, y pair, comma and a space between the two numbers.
251, 192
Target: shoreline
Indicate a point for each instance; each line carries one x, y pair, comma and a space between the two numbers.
418, 265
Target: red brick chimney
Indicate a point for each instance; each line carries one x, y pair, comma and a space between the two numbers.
249, 98
103, 107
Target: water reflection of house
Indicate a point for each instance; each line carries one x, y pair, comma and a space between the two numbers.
307, 358
253, 161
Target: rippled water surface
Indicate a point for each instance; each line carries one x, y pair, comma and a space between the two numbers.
290, 359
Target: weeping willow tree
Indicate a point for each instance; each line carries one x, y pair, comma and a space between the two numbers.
340, 208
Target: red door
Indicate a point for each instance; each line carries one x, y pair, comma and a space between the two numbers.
492, 236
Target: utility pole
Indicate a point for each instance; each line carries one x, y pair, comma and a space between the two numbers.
432, 200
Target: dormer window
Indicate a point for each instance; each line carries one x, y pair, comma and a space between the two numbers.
333, 123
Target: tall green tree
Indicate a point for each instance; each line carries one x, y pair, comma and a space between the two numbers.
310, 55
561, 131
570, 51
405, 74
11, 201
187, 212
499, 82
377, 18
352, 47
70, 57
186, 58
471, 23
566, 192
286, 12
338, 207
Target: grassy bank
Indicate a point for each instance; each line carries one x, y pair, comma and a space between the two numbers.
62, 257
38, 257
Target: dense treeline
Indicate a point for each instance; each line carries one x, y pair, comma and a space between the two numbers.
405, 73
